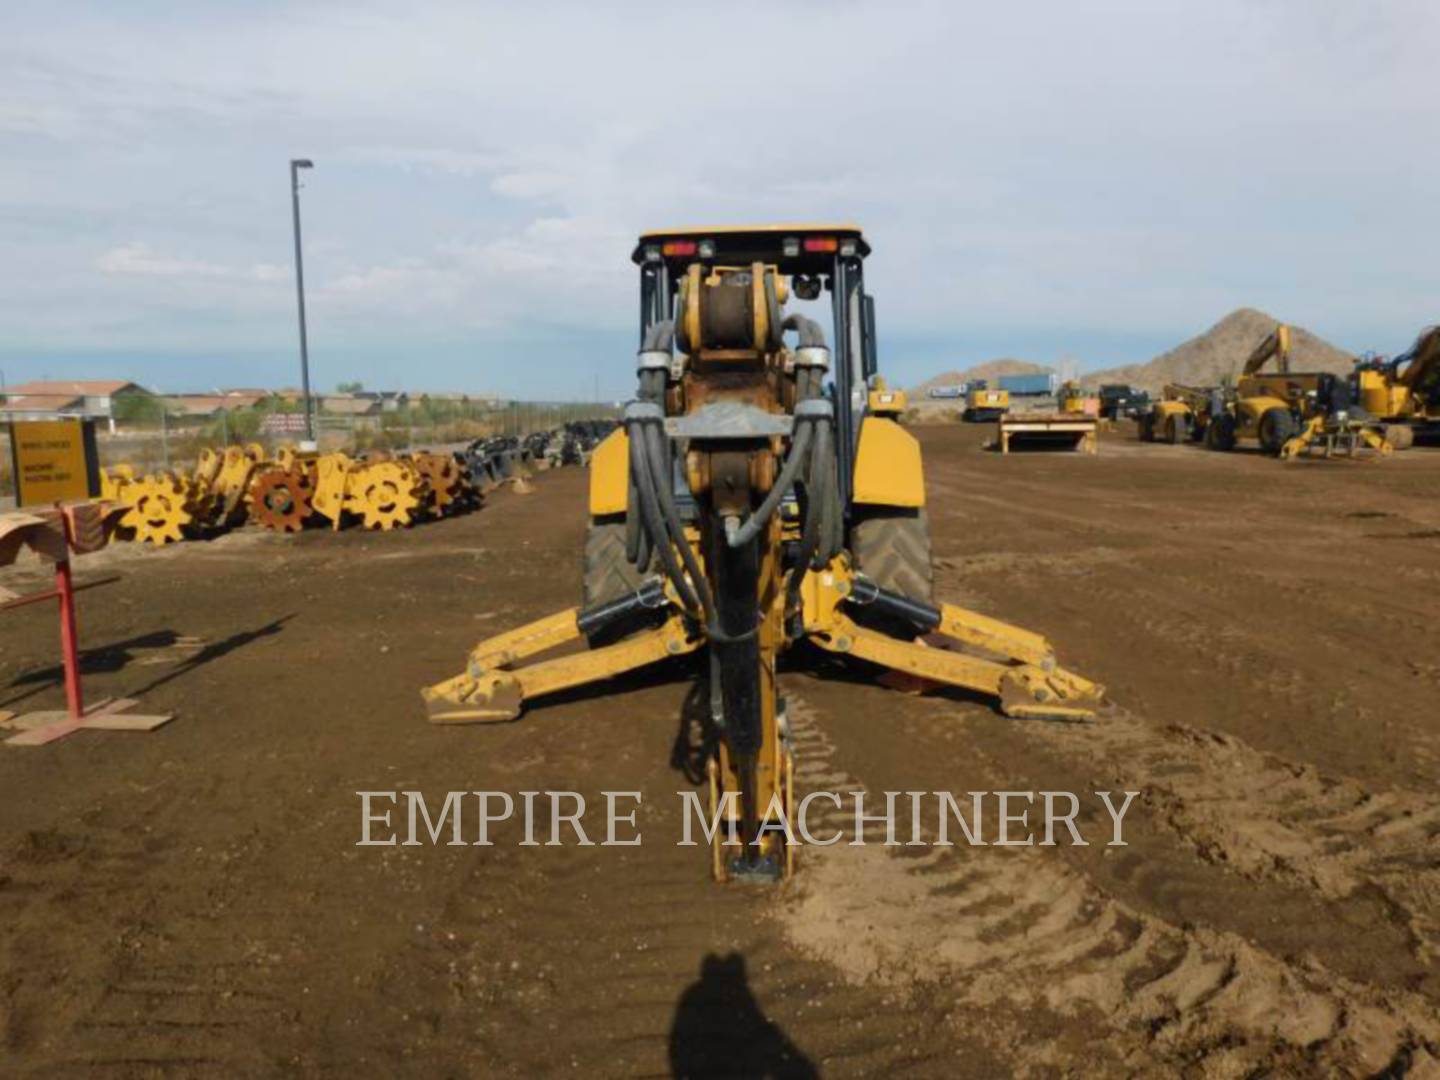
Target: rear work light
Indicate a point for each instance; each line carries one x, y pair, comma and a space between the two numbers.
821, 243
678, 247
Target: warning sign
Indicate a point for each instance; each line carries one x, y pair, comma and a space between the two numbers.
54, 460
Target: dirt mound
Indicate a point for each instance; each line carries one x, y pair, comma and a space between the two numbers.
1220, 351
990, 369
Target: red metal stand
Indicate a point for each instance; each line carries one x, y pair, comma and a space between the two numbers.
69, 639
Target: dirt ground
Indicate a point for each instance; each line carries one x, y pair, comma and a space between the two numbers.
193, 901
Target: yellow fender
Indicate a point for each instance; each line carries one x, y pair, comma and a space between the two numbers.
610, 475
888, 468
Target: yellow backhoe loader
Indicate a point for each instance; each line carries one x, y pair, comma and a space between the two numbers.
1404, 393
759, 494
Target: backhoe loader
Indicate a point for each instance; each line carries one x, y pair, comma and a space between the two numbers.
760, 493
1404, 393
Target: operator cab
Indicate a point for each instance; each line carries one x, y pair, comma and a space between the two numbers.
810, 260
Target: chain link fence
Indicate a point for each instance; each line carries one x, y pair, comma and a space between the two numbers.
160, 440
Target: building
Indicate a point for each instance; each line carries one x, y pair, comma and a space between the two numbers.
348, 405
94, 399
210, 406
390, 400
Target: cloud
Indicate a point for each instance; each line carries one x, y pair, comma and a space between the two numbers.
1099, 177
140, 260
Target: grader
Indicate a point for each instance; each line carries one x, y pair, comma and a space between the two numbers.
759, 494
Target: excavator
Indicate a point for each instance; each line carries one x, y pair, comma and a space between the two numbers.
983, 404
1404, 392
759, 494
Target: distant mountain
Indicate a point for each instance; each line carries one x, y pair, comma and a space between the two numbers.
1221, 351
990, 369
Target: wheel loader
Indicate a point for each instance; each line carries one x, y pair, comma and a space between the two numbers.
760, 493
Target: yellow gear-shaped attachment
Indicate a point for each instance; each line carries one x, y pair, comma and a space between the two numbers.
386, 494
115, 481
159, 509
441, 473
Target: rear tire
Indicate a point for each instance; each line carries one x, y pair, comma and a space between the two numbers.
891, 546
1220, 432
1400, 436
1277, 427
608, 574
1147, 428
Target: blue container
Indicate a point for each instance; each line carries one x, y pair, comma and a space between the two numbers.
1030, 384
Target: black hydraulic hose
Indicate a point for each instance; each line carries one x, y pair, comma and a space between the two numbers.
652, 518
670, 514
811, 335
799, 450
659, 337
832, 535
638, 541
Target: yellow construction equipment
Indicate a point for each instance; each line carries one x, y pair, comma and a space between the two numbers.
386, 494
1181, 414
983, 404
1072, 399
1404, 393
754, 498
162, 507
1287, 412
158, 508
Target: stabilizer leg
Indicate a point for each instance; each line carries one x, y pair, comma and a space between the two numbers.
1024, 689
491, 690
1020, 671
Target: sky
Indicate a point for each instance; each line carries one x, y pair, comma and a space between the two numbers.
1088, 182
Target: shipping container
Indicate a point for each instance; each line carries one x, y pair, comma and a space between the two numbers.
1030, 384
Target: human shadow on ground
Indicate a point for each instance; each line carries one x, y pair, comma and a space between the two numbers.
719, 1030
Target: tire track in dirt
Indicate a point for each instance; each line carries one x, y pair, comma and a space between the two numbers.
1022, 928
160, 993
1266, 817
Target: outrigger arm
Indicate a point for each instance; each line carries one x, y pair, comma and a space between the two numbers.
1015, 666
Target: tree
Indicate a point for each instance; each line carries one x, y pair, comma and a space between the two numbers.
349, 387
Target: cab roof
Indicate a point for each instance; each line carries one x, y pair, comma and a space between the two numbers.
742, 244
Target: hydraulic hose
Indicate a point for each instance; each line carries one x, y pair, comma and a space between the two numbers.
670, 514
799, 450
811, 335
651, 515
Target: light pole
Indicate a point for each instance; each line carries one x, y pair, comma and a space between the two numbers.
296, 164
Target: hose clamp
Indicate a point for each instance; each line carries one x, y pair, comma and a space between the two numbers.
636, 411
652, 360
819, 408
814, 356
